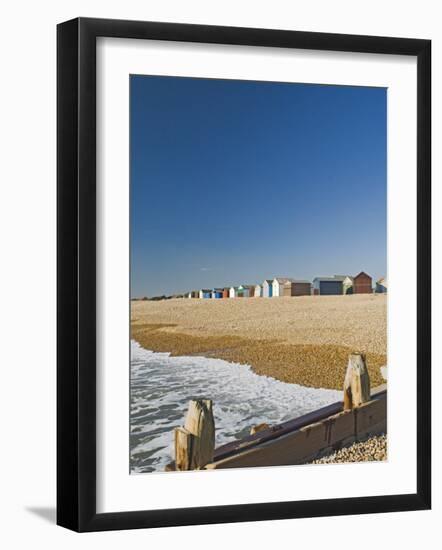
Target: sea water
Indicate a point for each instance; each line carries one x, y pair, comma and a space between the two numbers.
161, 387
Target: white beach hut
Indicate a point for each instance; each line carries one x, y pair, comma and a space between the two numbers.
267, 288
233, 292
278, 285
258, 291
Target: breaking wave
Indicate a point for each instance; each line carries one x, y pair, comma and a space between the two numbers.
161, 387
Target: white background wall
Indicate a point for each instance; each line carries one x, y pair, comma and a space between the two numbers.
27, 277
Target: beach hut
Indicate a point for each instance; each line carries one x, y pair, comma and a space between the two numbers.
233, 292
248, 291
267, 288
217, 293
258, 291
362, 284
297, 288
382, 285
205, 293
226, 291
193, 294
243, 291
278, 285
347, 283
327, 286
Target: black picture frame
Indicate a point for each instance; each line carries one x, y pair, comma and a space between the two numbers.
77, 287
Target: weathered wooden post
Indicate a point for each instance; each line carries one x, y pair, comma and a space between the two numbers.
356, 382
195, 442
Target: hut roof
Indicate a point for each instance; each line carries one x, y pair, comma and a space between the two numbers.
326, 279
362, 273
283, 280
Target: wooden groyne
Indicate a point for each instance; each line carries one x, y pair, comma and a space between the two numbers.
362, 413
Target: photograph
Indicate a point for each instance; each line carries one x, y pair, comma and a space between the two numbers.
224, 219
258, 274
243, 273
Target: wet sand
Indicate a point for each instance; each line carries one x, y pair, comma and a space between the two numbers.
304, 340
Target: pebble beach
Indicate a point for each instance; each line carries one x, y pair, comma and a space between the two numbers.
373, 449
304, 340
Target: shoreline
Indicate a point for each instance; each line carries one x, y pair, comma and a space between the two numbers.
161, 387
243, 331
310, 366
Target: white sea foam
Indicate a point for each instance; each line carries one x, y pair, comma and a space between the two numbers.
161, 387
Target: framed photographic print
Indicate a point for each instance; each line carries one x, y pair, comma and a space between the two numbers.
243, 274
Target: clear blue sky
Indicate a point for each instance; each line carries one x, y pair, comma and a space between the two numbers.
236, 181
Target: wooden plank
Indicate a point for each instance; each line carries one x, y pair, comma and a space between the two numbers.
373, 424
309, 441
284, 428
276, 431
